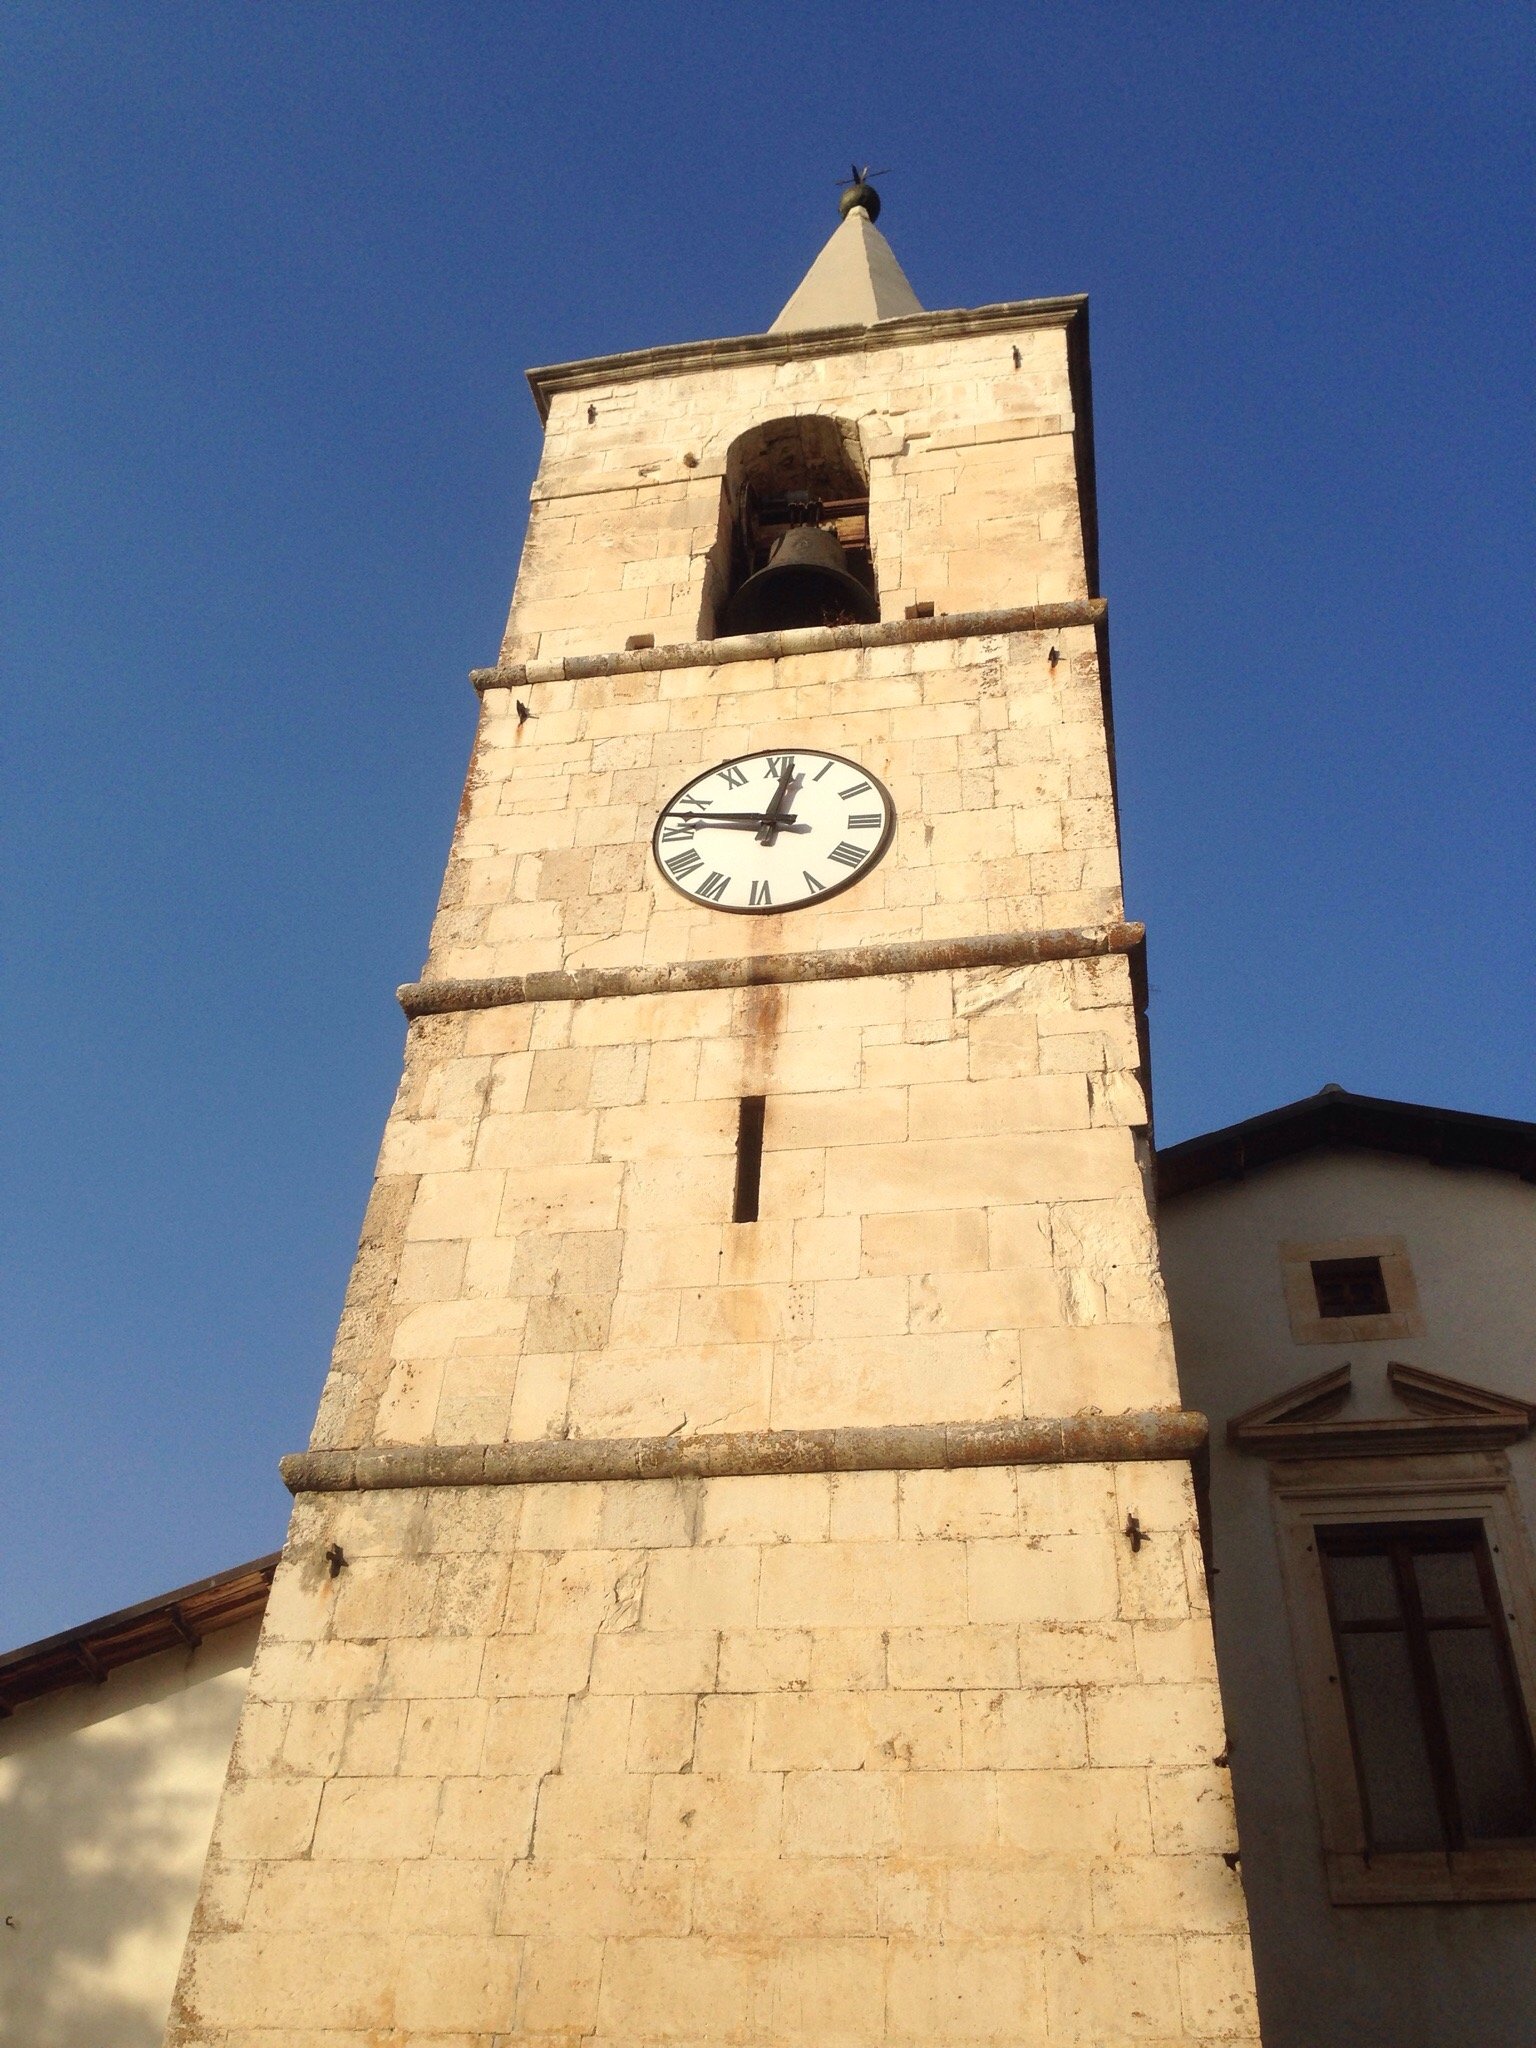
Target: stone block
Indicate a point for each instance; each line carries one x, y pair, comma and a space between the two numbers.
517, 1666
486, 1817
1040, 1729
765, 1660
523, 1737
655, 1660
445, 1668
298, 1980
1025, 1895
701, 1990
1118, 1988
1043, 1578
702, 1589
440, 1897
1076, 1813
1167, 1895
443, 1737
1168, 1725
375, 1818
661, 1733
272, 1817
978, 1502
594, 1816
966, 1991
849, 1585
790, 1897
601, 1897
457, 1980
1192, 1811
953, 1241
694, 1815
557, 1992
862, 1731
303, 1895
863, 1507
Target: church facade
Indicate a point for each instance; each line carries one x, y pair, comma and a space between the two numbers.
744, 1583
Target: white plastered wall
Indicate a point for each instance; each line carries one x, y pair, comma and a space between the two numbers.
107, 1797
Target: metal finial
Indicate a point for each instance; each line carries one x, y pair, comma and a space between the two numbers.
860, 193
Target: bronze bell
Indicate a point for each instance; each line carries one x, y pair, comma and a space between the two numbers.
805, 583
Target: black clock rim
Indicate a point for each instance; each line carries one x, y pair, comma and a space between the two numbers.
882, 844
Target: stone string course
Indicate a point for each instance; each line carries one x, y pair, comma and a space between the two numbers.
911, 1447
930, 956
1035, 618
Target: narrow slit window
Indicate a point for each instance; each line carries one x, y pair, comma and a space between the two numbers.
1350, 1287
1442, 1748
749, 1159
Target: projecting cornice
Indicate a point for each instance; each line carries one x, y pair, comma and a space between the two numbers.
676, 358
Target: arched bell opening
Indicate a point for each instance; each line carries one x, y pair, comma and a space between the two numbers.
794, 546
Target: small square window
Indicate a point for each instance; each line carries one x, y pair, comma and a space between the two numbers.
1350, 1287
1350, 1290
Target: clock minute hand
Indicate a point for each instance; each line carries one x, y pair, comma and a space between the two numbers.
740, 820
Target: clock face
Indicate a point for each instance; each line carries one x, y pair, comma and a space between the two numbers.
771, 832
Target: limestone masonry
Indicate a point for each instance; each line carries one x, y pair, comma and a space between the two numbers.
776, 1755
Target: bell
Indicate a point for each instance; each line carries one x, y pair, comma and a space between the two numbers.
805, 583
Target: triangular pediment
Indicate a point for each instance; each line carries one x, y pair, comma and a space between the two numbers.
1313, 1419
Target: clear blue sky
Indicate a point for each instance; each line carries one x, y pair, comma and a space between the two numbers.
273, 275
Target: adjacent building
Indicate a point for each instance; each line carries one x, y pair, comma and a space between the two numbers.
1352, 1298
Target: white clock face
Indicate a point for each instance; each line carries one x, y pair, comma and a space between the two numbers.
770, 832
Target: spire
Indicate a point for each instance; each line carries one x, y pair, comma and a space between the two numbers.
856, 279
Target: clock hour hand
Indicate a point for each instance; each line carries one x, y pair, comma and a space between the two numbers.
773, 817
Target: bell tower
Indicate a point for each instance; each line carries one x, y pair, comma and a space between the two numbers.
744, 1584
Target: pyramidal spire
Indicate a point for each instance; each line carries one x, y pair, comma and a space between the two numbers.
856, 279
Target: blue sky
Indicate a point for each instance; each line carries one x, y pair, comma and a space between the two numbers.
272, 276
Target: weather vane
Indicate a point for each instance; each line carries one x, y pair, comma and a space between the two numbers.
861, 192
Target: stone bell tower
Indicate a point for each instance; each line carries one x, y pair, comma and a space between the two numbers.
744, 1584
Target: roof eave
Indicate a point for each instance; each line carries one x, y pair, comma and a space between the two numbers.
1339, 1121
182, 1619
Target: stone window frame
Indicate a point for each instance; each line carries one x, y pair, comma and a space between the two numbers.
1464, 1487
1309, 1327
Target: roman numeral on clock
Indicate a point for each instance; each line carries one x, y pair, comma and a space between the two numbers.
778, 763
674, 830
864, 821
713, 886
857, 789
848, 855
680, 864
760, 893
735, 778
813, 887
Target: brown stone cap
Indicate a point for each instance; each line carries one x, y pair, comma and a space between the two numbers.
570, 668
179, 1620
843, 963
905, 1447
679, 357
